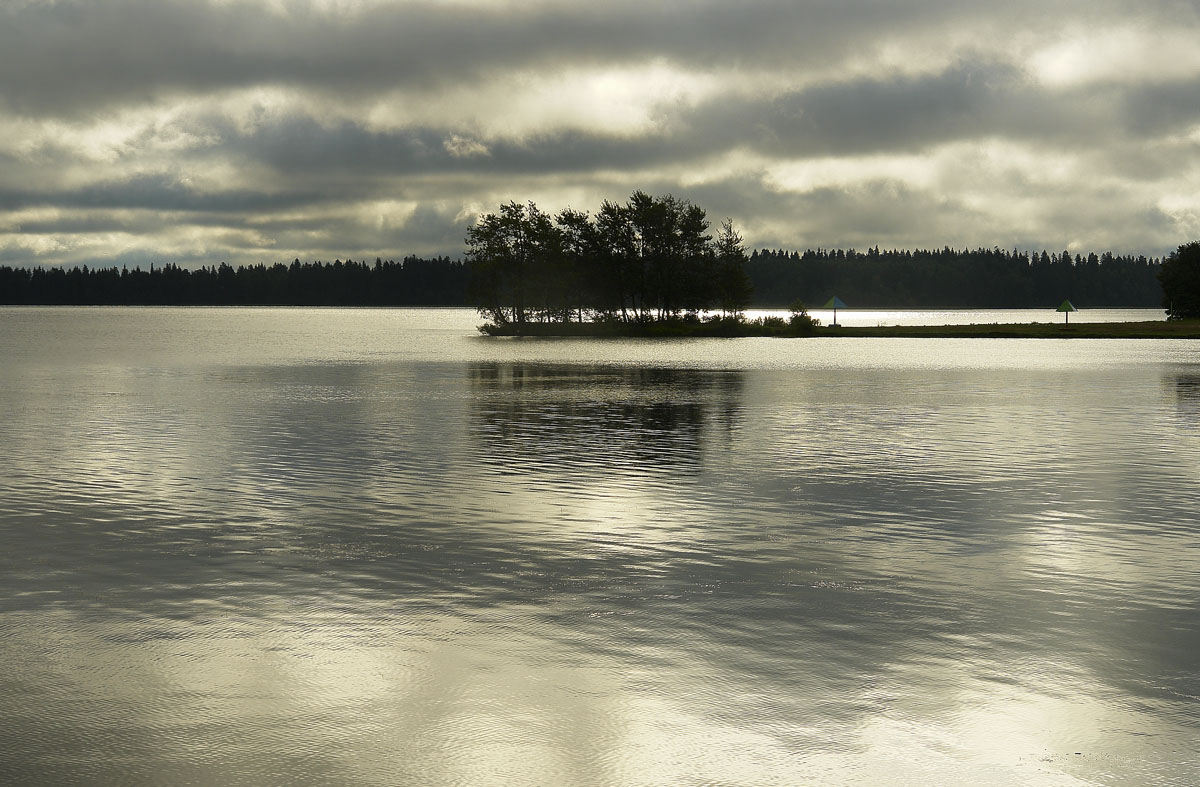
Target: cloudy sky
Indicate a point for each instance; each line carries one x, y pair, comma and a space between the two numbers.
200, 131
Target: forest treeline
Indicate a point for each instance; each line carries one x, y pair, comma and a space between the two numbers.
947, 278
414, 281
943, 278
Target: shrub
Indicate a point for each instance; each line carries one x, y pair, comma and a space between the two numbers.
801, 320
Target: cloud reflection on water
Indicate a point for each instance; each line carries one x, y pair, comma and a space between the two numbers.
443, 572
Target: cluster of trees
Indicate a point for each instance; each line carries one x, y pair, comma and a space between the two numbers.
412, 282
650, 259
946, 278
1180, 277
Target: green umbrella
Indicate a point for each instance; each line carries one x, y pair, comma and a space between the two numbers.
835, 303
1066, 307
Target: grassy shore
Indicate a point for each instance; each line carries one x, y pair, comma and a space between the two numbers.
1181, 329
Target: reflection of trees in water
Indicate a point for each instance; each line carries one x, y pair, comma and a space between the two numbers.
617, 418
1187, 393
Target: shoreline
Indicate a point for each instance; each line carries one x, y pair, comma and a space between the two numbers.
1154, 329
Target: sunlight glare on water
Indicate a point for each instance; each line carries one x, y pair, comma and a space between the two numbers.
369, 547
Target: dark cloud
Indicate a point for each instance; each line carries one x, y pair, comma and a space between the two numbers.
900, 114
75, 55
142, 222
430, 229
91, 224
159, 192
303, 143
1163, 108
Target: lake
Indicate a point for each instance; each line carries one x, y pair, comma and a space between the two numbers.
371, 547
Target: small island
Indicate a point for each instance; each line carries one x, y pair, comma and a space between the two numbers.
650, 268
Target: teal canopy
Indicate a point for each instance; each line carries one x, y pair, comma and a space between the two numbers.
1066, 306
834, 303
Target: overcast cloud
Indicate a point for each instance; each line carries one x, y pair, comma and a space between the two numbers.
201, 131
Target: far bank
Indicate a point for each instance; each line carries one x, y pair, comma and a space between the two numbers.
1158, 329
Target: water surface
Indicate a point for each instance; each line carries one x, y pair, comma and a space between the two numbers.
355, 546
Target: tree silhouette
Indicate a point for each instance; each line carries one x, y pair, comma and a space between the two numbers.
1180, 277
649, 259
733, 287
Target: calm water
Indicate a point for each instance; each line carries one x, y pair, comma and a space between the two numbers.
252, 547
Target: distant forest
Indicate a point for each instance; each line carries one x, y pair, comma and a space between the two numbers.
943, 278
414, 281
946, 278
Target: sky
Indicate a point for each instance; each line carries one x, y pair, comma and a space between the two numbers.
248, 131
